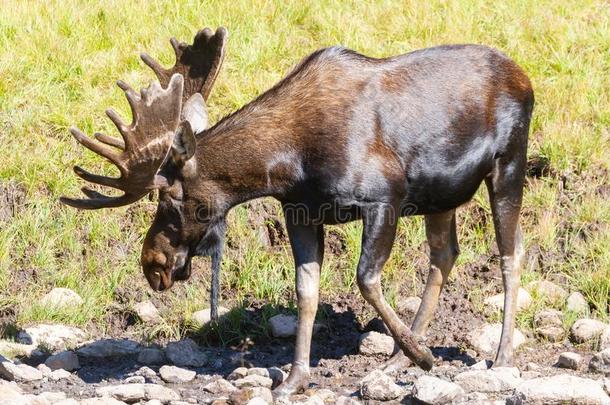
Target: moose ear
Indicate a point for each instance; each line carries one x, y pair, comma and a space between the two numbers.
184, 143
195, 112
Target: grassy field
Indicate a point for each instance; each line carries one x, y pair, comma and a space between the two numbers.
59, 61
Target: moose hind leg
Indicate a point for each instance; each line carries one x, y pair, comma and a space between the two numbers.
442, 239
379, 230
307, 243
505, 190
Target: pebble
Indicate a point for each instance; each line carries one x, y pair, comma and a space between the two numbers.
486, 338
547, 289
66, 360
548, 324
497, 379
53, 337
59, 374
185, 353
253, 381
375, 343
173, 374
433, 390
378, 386
107, 348
60, 298
138, 392
604, 340
220, 386
135, 379
283, 326
560, 389
586, 330
600, 363
18, 372
409, 305
569, 360
524, 300
577, 303
203, 317
147, 312
239, 372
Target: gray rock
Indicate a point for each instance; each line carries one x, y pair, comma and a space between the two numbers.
52, 397
552, 334
343, 400
138, 392
409, 305
18, 372
253, 380
432, 390
374, 343
173, 374
220, 386
61, 298
577, 303
52, 337
283, 326
100, 401
482, 365
277, 375
607, 386
498, 379
135, 379
109, 348
600, 363
185, 353
44, 369
203, 317
587, 330
146, 372
239, 372
560, 389
258, 371
151, 355
59, 374
548, 325
378, 386
604, 340
496, 302
569, 360
486, 338
10, 392
326, 395
66, 360
147, 312
547, 289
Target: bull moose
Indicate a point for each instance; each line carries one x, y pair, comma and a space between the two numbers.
342, 137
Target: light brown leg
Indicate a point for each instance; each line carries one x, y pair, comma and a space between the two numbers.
307, 243
442, 239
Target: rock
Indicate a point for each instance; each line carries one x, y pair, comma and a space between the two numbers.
607, 386
283, 326
52, 337
44, 369
61, 298
498, 379
524, 300
604, 340
277, 375
569, 360
135, 379
379, 387
476, 398
203, 317
220, 386
102, 401
549, 325
146, 372
249, 394
548, 290
109, 348
552, 334
253, 381
600, 363
409, 305
560, 389
239, 372
147, 312
374, 343
10, 392
587, 330
52, 397
482, 365
151, 355
59, 374
433, 390
577, 303
185, 353
326, 395
14, 349
528, 375
258, 371
67, 360
343, 400
257, 401
138, 392
18, 372
173, 374
486, 338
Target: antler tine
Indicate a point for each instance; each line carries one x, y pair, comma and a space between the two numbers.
98, 148
110, 140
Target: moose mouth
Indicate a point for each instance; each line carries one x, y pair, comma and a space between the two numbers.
162, 281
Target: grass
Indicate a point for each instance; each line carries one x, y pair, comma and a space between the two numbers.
58, 65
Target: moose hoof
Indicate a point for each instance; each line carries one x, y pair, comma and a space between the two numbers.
416, 351
297, 382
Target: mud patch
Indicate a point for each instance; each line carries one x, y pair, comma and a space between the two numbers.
12, 200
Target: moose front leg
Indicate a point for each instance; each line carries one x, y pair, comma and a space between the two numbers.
377, 239
307, 242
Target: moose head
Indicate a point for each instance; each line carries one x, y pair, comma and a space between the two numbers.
157, 152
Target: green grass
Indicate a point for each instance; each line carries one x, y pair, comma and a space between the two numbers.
58, 65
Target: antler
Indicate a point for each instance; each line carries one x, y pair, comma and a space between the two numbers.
199, 63
146, 143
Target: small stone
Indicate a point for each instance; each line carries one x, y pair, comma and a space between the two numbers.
604, 340
18, 372
379, 387
52, 337
524, 300
109, 348
409, 305
203, 317
147, 312
67, 360
258, 371
277, 375
173, 374
326, 395
185, 353
549, 325
101, 401
577, 303
433, 390
482, 365
374, 343
137, 392
253, 381
552, 334
486, 338
59, 374
600, 363
547, 289
135, 379
146, 372
528, 375
560, 389
44, 369
343, 400
220, 386
239, 372
151, 356
569, 360
248, 394
587, 330
497, 379
283, 326
52, 397
60, 298
532, 367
